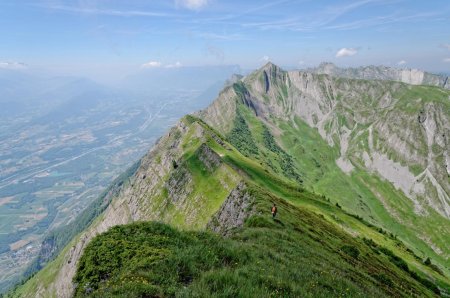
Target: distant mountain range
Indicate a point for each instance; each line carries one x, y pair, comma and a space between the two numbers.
409, 76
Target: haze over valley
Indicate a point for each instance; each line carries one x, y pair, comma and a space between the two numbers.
62, 145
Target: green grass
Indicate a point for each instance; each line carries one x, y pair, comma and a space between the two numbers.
300, 254
202, 191
44, 278
360, 192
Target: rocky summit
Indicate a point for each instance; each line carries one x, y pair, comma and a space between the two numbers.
357, 162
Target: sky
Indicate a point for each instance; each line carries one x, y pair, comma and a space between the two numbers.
97, 37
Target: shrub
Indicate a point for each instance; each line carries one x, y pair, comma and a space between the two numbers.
241, 137
396, 260
384, 279
351, 251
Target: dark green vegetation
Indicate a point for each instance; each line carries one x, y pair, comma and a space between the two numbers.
299, 254
285, 160
241, 137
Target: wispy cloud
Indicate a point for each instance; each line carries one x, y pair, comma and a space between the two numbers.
265, 58
330, 18
346, 52
192, 4
255, 8
151, 64
12, 65
401, 62
219, 36
445, 46
446, 60
383, 20
108, 12
314, 21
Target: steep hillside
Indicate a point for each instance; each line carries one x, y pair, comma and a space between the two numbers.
299, 254
380, 148
358, 169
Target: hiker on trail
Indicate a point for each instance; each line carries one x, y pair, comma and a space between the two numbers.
274, 210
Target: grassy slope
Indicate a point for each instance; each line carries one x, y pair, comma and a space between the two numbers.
305, 252
300, 254
362, 193
316, 162
209, 189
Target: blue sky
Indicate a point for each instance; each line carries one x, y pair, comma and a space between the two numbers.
91, 35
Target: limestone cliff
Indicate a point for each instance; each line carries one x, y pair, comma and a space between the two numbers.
409, 76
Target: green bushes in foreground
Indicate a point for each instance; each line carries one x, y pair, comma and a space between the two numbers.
266, 258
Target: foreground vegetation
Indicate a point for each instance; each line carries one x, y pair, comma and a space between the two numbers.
299, 254
312, 249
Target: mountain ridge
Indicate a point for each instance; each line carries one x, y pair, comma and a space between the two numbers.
406, 75
277, 120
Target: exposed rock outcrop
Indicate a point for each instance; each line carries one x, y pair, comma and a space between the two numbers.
234, 211
209, 158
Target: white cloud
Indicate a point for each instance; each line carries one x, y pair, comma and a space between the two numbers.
447, 60
346, 52
157, 64
89, 10
301, 62
446, 46
192, 4
401, 62
151, 64
174, 65
265, 58
12, 65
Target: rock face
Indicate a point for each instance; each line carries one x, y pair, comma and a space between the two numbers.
234, 211
409, 76
222, 111
209, 158
403, 128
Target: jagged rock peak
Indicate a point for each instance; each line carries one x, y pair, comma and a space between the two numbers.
270, 68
